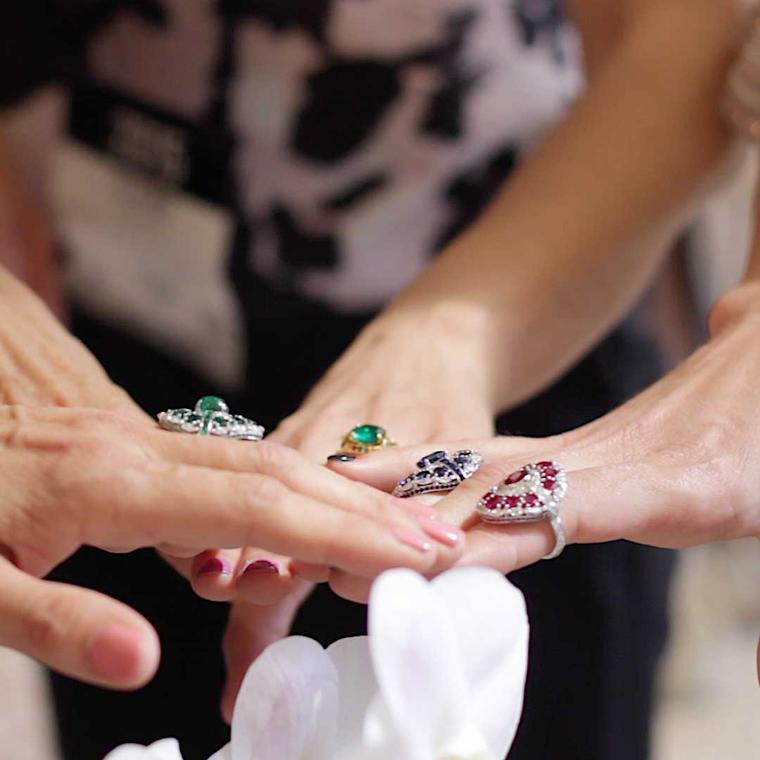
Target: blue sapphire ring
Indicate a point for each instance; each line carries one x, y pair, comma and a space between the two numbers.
439, 471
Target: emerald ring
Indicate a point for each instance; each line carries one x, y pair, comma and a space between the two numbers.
365, 438
211, 416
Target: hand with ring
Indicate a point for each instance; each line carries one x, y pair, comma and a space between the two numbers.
676, 466
81, 464
405, 380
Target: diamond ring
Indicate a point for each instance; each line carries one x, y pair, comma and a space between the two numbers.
532, 493
211, 416
439, 471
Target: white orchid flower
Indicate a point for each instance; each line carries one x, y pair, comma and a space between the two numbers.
440, 677
166, 749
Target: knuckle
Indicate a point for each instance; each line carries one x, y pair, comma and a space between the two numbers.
100, 420
262, 491
275, 459
47, 621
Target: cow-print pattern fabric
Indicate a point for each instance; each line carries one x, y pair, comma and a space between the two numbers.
366, 132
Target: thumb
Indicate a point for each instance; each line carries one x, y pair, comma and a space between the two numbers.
77, 632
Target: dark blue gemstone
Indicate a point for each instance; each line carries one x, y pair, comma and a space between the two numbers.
424, 475
431, 459
440, 472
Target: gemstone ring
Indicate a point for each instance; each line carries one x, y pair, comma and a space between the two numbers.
439, 471
211, 416
532, 493
365, 438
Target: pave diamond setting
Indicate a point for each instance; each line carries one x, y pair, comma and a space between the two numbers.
439, 472
211, 416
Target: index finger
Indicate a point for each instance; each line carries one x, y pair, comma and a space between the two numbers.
197, 506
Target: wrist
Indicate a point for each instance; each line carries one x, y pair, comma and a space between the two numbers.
454, 337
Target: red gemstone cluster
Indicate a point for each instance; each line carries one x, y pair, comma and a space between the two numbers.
501, 499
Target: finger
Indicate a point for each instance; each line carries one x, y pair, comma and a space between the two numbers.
212, 574
284, 464
383, 469
350, 587
263, 578
310, 572
640, 501
77, 632
183, 504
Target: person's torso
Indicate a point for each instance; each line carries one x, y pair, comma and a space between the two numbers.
332, 146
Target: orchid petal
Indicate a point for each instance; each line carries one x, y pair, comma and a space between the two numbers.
358, 687
415, 652
225, 753
489, 618
288, 704
166, 749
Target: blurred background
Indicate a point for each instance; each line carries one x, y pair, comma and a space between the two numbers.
709, 702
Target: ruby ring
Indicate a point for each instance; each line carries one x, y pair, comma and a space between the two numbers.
532, 493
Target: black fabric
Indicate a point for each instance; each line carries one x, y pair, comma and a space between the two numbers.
598, 614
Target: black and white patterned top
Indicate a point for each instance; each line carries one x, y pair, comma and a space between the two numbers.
331, 146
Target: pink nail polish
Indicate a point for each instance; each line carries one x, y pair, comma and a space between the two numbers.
413, 539
444, 534
262, 566
417, 509
215, 566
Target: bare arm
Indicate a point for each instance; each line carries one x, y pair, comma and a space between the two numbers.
575, 235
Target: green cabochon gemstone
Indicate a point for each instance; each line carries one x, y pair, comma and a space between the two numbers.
211, 404
369, 435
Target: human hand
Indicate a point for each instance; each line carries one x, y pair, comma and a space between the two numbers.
410, 375
80, 476
674, 467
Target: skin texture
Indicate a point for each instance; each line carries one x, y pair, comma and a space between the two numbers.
82, 465
578, 230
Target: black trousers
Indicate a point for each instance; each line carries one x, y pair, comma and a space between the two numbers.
598, 613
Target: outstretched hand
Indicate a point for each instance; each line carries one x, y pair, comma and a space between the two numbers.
674, 467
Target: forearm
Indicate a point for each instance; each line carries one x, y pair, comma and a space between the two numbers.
577, 233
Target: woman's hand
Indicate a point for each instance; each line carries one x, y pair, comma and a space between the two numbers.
81, 464
410, 373
74, 477
676, 466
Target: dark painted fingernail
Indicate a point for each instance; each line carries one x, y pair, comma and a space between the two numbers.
215, 566
261, 566
341, 458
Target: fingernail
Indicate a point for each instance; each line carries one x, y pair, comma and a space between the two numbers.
413, 539
116, 654
341, 458
215, 566
444, 534
261, 566
417, 509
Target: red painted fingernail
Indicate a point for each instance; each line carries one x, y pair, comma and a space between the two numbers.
261, 566
413, 539
444, 534
215, 566
417, 509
